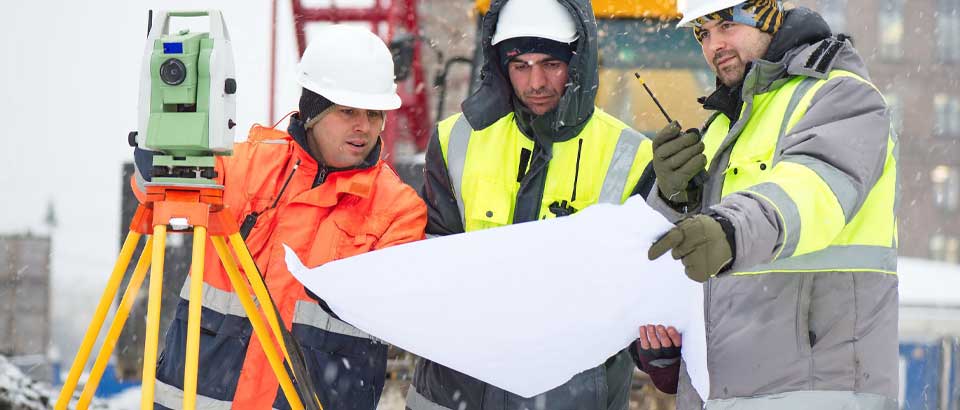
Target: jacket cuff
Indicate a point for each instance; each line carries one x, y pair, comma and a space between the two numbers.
665, 208
730, 233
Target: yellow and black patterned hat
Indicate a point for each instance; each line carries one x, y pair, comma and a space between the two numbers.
765, 15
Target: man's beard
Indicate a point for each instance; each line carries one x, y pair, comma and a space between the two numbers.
733, 72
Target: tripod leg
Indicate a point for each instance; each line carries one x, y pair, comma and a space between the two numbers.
90, 338
193, 319
284, 338
269, 348
259, 288
123, 312
149, 377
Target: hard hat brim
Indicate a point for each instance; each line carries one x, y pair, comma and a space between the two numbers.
700, 10
381, 102
532, 33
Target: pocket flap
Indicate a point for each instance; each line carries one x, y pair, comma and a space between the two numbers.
493, 204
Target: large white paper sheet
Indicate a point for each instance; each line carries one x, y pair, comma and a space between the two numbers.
524, 307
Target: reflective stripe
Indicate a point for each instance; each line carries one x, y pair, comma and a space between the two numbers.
619, 170
311, 314
218, 300
798, 94
280, 141
841, 184
788, 212
457, 157
172, 398
835, 258
416, 401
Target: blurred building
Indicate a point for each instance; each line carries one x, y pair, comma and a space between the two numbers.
913, 51
25, 303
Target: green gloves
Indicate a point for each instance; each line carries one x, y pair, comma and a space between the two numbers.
703, 243
677, 158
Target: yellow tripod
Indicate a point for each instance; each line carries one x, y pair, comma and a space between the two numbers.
198, 210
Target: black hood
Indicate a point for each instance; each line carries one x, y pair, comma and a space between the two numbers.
494, 97
801, 27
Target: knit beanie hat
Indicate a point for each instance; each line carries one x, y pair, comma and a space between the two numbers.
311, 105
513, 47
765, 15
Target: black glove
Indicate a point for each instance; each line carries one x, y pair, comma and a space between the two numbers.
662, 363
677, 158
660, 357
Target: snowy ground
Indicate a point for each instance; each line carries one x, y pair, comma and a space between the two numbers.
19, 392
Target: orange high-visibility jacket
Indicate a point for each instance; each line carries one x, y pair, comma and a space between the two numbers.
347, 213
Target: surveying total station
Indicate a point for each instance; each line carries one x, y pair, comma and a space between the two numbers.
187, 100
186, 118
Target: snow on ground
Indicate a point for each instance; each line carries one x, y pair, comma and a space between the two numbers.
19, 392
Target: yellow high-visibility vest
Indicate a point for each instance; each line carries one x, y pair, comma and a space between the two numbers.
601, 164
824, 229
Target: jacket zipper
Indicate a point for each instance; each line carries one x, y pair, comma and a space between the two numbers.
321, 176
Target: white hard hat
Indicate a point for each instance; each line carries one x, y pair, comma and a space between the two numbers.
535, 18
694, 9
349, 66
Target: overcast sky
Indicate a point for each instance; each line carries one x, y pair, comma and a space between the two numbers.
69, 78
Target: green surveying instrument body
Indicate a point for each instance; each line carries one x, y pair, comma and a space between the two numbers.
187, 99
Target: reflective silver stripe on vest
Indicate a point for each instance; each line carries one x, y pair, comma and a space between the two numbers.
218, 300
788, 211
619, 170
416, 401
311, 314
457, 157
172, 398
834, 258
798, 94
841, 184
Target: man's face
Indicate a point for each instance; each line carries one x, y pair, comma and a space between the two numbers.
538, 80
345, 136
729, 46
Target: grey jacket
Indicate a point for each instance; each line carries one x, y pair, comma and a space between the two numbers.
801, 338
